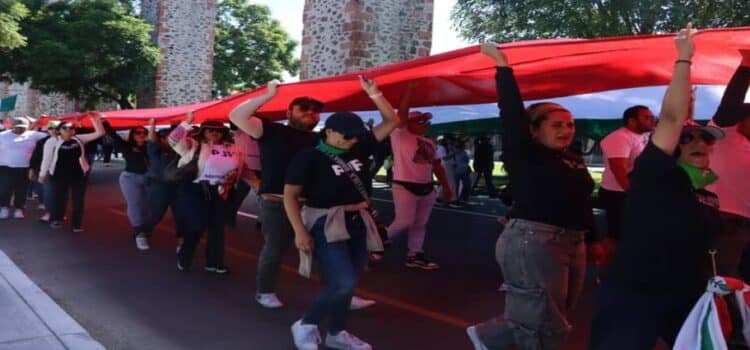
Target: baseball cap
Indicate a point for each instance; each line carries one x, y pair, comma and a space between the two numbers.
53, 124
691, 125
20, 123
346, 123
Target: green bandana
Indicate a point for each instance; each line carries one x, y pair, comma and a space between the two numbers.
330, 149
700, 178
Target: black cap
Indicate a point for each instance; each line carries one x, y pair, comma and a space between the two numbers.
213, 124
346, 123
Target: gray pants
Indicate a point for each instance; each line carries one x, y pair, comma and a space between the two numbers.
543, 270
279, 236
133, 187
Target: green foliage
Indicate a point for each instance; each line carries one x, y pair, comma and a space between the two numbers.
509, 20
250, 48
11, 13
93, 50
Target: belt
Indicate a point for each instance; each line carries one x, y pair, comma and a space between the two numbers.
533, 225
276, 198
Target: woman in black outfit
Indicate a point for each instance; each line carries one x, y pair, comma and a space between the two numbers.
541, 251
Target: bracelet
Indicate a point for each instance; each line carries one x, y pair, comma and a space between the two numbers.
379, 94
683, 61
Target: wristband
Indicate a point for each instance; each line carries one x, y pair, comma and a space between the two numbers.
684, 61
379, 94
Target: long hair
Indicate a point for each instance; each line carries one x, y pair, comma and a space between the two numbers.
131, 134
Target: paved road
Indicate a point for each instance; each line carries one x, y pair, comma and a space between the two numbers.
129, 299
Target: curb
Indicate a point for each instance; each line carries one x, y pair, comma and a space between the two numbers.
64, 328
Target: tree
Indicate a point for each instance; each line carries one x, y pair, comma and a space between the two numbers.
11, 13
250, 48
509, 20
91, 50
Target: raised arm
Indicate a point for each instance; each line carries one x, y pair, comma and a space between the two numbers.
404, 104
515, 124
674, 106
390, 120
152, 131
178, 138
96, 121
243, 114
734, 96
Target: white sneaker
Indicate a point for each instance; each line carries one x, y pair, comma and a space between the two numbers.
41, 207
306, 336
360, 303
45, 217
4, 212
18, 214
268, 300
346, 341
141, 242
474, 337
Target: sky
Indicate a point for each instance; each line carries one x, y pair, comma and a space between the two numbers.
606, 104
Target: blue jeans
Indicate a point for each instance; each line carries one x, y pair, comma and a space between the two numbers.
636, 320
161, 195
341, 264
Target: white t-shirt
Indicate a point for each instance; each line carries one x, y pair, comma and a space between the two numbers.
16, 150
220, 162
413, 156
621, 143
731, 162
249, 146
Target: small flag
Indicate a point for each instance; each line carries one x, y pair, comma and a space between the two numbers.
8, 104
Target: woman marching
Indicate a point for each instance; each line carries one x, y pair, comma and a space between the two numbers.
202, 200
64, 161
334, 225
133, 179
541, 251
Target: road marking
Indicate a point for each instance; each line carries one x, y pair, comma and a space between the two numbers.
414, 309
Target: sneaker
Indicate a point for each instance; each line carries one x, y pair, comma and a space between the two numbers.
474, 337
182, 268
358, 303
77, 229
45, 218
18, 214
41, 207
55, 224
268, 300
455, 205
4, 212
306, 336
222, 270
179, 246
141, 241
346, 341
419, 261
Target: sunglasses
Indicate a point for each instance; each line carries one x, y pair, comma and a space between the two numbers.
689, 137
216, 130
67, 128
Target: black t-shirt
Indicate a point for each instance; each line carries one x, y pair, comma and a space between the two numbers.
136, 160
667, 229
278, 145
548, 186
324, 183
68, 163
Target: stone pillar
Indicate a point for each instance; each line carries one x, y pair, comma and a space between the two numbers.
341, 36
184, 31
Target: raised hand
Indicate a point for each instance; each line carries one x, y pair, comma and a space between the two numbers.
684, 42
273, 87
190, 117
491, 50
745, 56
369, 85
152, 123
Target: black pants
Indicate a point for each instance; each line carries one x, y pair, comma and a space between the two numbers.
161, 196
201, 209
14, 182
238, 195
487, 176
107, 153
612, 202
61, 185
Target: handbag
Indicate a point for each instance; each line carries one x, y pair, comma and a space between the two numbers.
175, 173
382, 230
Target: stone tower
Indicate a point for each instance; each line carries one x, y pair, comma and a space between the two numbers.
341, 36
184, 31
